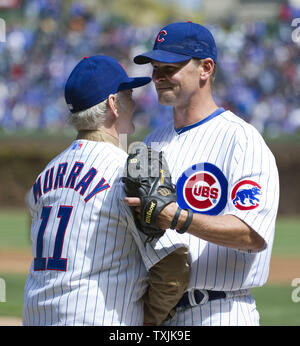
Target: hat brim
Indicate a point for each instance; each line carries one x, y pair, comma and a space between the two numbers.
135, 82
161, 56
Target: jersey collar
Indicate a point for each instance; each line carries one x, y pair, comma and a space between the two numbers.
211, 116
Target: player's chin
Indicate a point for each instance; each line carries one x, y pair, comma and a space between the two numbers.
130, 130
166, 98
127, 128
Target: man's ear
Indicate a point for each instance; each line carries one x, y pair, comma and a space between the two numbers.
112, 104
207, 68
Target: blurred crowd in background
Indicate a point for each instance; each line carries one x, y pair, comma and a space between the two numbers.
258, 75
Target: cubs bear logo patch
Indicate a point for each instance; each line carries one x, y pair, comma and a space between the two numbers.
202, 188
245, 195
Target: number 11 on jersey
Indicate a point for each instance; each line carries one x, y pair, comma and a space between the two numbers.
55, 262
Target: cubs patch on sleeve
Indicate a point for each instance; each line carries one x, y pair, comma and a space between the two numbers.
246, 195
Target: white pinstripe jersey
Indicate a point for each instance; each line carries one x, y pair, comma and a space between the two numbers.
87, 268
221, 165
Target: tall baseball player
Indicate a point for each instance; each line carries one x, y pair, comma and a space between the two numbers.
226, 178
90, 264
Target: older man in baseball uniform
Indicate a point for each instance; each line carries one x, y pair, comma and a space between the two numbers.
226, 177
90, 264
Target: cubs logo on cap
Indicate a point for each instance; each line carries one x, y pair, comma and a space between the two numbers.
245, 195
202, 188
160, 36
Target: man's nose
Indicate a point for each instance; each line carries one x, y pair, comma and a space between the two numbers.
158, 76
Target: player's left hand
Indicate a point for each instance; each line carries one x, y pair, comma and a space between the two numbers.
150, 191
133, 201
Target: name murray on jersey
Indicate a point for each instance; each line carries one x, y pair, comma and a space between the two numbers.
55, 178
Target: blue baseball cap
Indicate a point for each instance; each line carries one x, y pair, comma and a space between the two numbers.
94, 78
178, 42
